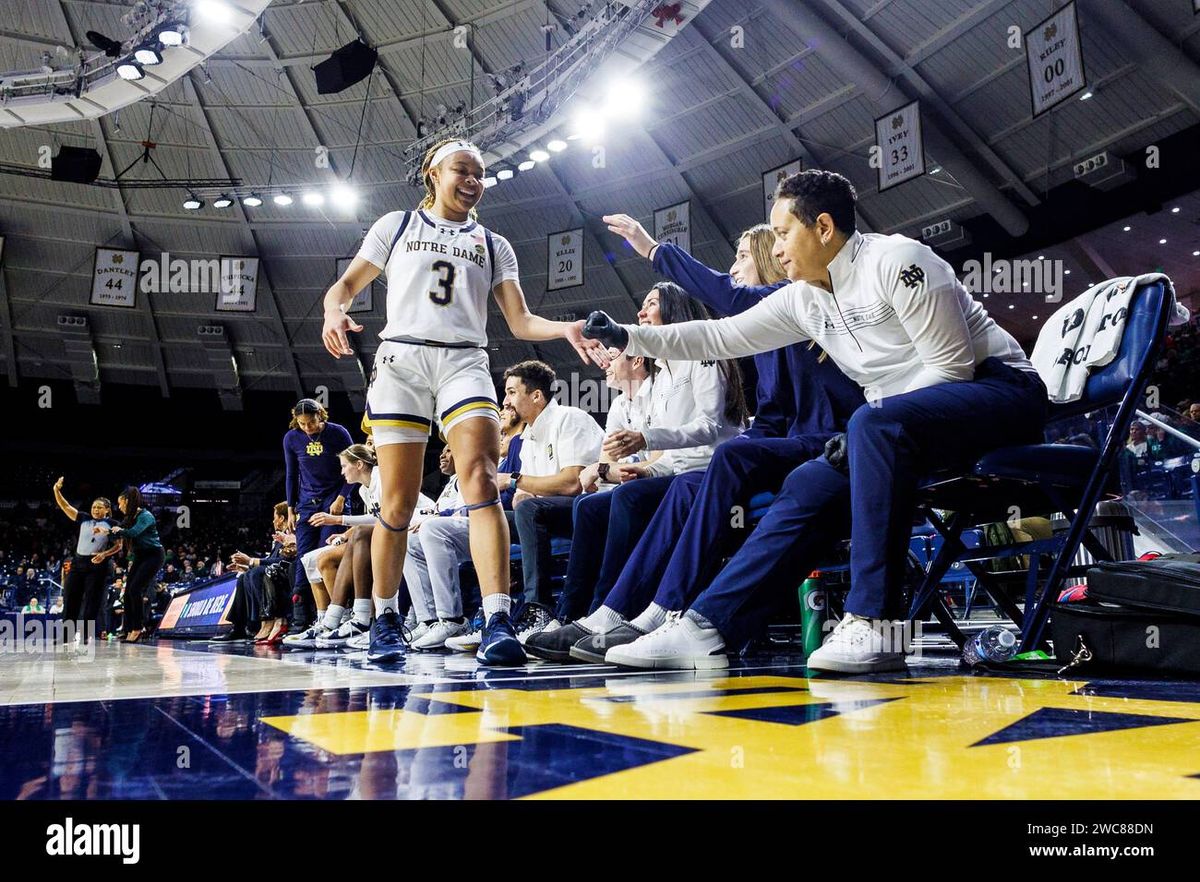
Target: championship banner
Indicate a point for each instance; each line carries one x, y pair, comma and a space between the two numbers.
902, 149
239, 284
674, 224
1052, 50
364, 300
771, 179
114, 278
564, 260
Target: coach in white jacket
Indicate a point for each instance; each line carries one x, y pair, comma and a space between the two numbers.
944, 384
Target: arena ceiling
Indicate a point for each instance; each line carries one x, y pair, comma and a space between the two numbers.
808, 83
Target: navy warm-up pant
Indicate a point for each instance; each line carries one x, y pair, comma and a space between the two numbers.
697, 524
607, 527
309, 537
891, 447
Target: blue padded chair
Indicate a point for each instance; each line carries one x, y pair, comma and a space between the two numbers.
1043, 478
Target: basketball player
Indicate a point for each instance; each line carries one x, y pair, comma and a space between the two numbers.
440, 266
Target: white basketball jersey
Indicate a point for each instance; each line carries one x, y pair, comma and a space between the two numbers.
440, 275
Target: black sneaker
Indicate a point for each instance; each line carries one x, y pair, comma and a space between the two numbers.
387, 644
556, 645
593, 647
230, 637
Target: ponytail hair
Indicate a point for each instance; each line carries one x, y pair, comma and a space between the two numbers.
360, 453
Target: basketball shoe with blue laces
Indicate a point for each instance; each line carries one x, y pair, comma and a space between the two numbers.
387, 641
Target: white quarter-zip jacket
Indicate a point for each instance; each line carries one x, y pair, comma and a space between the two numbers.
687, 416
896, 320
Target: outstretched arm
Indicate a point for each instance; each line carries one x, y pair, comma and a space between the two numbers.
769, 325
527, 326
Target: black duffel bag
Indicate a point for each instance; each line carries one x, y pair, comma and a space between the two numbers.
1138, 616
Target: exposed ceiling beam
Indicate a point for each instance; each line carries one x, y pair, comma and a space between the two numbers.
851, 64
1141, 42
932, 99
249, 237
6, 326
720, 53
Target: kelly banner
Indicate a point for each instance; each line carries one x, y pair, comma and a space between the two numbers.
564, 256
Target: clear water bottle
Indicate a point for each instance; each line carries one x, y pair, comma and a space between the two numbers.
992, 645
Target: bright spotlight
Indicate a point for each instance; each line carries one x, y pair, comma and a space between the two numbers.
504, 174
538, 155
213, 10
557, 145
172, 34
148, 55
343, 196
589, 125
312, 199
281, 199
525, 165
489, 181
222, 202
193, 204
624, 99
252, 200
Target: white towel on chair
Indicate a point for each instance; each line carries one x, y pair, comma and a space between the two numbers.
1086, 333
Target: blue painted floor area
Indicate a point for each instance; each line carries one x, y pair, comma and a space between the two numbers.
196, 721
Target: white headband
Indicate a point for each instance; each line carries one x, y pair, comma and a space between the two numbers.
454, 147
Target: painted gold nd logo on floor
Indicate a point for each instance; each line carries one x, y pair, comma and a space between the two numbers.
783, 737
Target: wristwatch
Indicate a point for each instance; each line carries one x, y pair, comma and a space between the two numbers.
602, 471
513, 478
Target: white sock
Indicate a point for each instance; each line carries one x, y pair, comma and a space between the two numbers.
602, 620
383, 604
333, 616
651, 618
494, 603
362, 610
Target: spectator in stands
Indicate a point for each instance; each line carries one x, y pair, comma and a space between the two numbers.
170, 574
139, 530
86, 584
314, 484
1136, 444
1193, 412
34, 606
559, 442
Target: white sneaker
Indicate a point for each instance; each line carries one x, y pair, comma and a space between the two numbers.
414, 634
856, 647
678, 643
436, 635
359, 641
339, 638
465, 642
307, 639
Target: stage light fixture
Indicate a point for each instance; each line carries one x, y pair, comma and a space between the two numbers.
222, 202
130, 70
343, 196
252, 200
505, 174
148, 55
313, 199
557, 145
192, 203
539, 155
281, 199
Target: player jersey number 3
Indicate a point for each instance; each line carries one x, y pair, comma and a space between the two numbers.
445, 271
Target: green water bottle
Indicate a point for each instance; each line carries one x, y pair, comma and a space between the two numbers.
813, 610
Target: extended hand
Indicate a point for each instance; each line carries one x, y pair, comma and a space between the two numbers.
631, 231
333, 334
600, 326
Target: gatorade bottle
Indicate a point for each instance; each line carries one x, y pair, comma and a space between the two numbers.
813, 611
